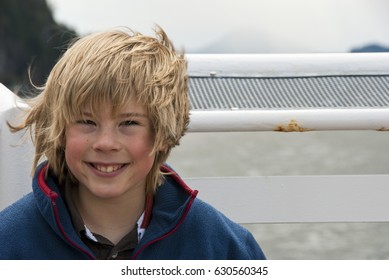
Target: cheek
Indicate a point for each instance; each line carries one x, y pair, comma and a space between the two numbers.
140, 149
74, 148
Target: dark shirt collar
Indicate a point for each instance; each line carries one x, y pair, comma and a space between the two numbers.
101, 246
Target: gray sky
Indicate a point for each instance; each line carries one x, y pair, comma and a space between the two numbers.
280, 26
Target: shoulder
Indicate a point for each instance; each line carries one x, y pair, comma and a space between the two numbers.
203, 213
16, 222
18, 215
234, 239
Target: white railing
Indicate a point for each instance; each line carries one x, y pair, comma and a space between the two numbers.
15, 153
279, 199
298, 199
288, 65
272, 199
290, 120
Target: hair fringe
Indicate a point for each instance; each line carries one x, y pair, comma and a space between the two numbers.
111, 67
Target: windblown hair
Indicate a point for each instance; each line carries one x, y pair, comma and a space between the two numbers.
112, 67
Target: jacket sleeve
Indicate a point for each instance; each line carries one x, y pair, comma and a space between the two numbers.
229, 240
253, 249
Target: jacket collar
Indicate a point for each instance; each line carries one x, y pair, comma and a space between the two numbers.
163, 194
164, 212
171, 204
53, 209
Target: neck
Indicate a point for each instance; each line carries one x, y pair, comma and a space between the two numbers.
111, 218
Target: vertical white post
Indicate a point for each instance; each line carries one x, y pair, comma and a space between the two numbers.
16, 152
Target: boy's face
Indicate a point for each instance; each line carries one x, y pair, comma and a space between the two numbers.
110, 157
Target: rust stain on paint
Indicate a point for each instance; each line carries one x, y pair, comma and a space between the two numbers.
292, 126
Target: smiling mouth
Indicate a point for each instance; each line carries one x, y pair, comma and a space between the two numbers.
107, 168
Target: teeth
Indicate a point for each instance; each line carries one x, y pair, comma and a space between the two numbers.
108, 168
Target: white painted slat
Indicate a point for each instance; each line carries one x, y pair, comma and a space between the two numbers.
15, 155
289, 120
298, 199
288, 65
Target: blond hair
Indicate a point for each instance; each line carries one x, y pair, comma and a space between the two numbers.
112, 67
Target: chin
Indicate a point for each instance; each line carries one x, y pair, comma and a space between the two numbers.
106, 192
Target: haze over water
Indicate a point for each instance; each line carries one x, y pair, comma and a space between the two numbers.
308, 153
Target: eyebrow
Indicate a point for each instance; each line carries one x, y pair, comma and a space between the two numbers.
123, 115
126, 115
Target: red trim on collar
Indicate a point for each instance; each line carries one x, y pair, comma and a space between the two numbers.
148, 207
150, 198
42, 183
178, 179
193, 194
188, 206
53, 196
148, 210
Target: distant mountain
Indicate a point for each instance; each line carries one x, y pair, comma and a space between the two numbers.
371, 48
242, 40
29, 39
248, 40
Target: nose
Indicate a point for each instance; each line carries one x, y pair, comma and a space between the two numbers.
106, 140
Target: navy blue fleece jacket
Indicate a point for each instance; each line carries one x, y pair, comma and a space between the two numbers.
181, 226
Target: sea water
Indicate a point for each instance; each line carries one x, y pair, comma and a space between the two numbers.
307, 153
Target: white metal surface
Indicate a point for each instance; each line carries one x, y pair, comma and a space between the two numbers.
301, 199
289, 120
282, 199
15, 154
288, 65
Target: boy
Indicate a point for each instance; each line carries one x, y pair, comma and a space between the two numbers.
112, 109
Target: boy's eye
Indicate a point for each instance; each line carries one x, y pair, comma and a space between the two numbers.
86, 122
129, 123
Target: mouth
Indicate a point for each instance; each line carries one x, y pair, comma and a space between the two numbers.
107, 168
